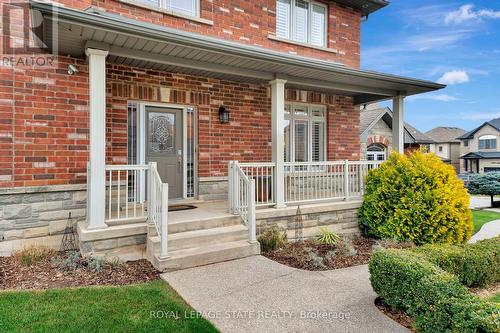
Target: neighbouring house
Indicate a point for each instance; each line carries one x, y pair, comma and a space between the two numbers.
178, 130
376, 134
447, 144
479, 151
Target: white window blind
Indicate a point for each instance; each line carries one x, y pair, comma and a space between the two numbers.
301, 22
305, 133
318, 141
188, 7
154, 3
283, 18
318, 24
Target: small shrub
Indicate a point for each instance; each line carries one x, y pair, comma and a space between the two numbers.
330, 255
326, 236
416, 198
435, 299
115, 263
70, 262
94, 263
316, 261
272, 239
475, 265
33, 254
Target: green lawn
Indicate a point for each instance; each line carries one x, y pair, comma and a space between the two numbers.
495, 298
480, 217
133, 308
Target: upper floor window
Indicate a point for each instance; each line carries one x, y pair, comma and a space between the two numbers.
440, 149
303, 21
488, 142
466, 143
186, 7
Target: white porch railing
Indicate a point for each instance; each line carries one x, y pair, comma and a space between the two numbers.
125, 198
158, 207
327, 180
304, 182
242, 197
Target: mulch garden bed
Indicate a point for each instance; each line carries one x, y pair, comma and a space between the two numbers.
304, 255
45, 274
398, 316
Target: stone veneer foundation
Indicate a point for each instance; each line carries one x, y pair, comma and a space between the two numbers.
30, 215
340, 217
39, 215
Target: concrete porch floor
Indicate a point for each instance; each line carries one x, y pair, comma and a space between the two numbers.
205, 210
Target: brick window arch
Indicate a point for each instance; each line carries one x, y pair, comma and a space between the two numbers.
380, 139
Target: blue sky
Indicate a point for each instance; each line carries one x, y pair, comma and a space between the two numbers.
453, 42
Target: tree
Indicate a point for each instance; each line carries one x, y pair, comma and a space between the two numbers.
486, 184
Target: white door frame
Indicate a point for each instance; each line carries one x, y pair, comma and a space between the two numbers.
141, 139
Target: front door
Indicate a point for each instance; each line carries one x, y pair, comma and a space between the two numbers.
164, 145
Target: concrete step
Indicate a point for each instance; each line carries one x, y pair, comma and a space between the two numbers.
197, 238
175, 227
199, 256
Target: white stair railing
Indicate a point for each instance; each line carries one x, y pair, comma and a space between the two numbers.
263, 174
158, 207
242, 197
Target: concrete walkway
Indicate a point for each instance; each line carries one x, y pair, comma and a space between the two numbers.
487, 231
256, 294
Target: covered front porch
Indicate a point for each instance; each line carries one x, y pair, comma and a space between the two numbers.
125, 191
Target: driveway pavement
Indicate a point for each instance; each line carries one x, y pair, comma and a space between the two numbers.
479, 202
256, 294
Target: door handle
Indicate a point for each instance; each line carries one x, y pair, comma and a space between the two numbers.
179, 163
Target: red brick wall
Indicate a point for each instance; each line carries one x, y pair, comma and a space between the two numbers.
246, 138
43, 125
44, 120
249, 22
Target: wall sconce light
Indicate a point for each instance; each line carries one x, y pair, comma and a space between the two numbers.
223, 115
72, 69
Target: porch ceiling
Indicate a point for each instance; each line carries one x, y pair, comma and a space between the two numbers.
147, 45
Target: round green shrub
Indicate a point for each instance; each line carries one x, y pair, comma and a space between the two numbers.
416, 198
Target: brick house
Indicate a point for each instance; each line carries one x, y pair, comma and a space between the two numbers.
124, 111
376, 134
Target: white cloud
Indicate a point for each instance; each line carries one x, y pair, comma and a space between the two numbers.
467, 13
439, 97
454, 77
479, 116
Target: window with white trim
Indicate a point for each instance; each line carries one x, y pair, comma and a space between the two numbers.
376, 152
488, 142
305, 133
186, 7
302, 21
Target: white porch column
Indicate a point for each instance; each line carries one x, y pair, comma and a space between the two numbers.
398, 133
278, 137
96, 194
